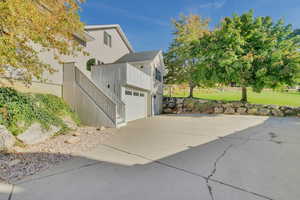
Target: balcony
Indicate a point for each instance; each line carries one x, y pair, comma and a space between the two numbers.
137, 78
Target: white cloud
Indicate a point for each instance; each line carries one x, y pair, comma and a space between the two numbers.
198, 7
129, 14
219, 4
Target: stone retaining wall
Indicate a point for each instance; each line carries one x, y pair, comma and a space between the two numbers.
189, 105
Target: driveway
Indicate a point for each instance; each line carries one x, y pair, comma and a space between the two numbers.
183, 157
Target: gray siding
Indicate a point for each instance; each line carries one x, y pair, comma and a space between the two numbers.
85, 103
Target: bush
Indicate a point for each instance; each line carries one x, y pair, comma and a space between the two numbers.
19, 110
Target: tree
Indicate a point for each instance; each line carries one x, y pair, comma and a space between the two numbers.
251, 52
28, 28
182, 67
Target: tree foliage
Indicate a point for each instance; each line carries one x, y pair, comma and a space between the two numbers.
182, 66
28, 28
251, 52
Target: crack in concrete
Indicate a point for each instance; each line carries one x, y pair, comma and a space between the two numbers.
273, 138
160, 163
193, 173
213, 172
61, 172
259, 140
11, 192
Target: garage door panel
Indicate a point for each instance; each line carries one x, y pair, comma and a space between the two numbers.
136, 104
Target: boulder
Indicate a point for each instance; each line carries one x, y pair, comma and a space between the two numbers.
274, 107
172, 105
253, 111
168, 110
277, 113
179, 101
237, 104
290, 112
229, 110
76, 134
219, 110
73, 140
102, 128
7, 140
264, 112
242, 111
227, 105
36, 134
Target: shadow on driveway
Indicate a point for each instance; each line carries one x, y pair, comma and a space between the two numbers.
259, 162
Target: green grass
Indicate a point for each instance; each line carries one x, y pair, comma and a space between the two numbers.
265, 97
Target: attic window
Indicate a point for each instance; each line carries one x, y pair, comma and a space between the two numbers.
107, 39
142, 67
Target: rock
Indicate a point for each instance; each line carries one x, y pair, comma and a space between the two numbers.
229, 110
253, 111
70, 123
290, 112
277, 113
172, 105
14, 162
19, 149
219, 110
264, 112
274, 107
180, 101
168, 110
73, 140
7, 140
36, 134
76, 134
102, 128
242, 111
237, 104
227, 105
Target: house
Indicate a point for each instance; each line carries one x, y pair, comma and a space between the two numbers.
122, 86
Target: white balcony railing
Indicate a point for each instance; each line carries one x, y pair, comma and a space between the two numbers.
137, 78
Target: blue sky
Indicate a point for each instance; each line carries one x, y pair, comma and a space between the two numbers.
147, 24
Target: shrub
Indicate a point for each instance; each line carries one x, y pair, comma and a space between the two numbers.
19, 110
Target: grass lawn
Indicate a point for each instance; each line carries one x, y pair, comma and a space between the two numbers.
266, 97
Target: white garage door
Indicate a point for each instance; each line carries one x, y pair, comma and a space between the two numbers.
136, 104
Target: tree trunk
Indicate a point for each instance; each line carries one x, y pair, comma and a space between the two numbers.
191, 92
244, 94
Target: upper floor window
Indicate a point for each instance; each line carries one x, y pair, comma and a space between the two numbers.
107, 39
157, 74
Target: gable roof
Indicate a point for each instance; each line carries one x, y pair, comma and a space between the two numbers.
138, 57
112, 26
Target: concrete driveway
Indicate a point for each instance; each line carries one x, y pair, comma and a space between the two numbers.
186, 157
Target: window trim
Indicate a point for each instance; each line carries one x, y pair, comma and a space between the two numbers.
158, 75
107, 39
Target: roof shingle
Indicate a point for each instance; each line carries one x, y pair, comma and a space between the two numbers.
138, 57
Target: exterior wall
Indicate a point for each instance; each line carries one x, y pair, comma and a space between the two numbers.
110, 74
36, 87
114, 76
156, 86
96, 49
103, 52
82, 103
